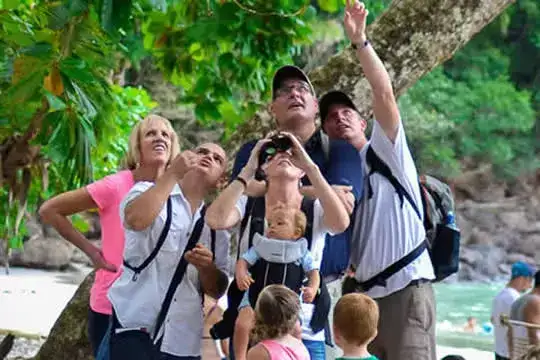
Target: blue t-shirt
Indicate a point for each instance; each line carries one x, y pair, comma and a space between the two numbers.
342, 167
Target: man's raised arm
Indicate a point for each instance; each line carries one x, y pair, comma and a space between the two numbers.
385, 107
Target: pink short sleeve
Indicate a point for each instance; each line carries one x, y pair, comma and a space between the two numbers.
104, 192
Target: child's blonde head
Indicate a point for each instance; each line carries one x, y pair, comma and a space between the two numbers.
276, 312
286, 223
355, 319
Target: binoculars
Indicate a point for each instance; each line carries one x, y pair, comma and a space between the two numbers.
277, 143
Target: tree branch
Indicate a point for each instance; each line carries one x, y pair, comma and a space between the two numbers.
411, 37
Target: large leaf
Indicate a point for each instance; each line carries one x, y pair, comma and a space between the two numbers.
27, 87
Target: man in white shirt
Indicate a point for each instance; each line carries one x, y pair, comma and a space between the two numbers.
520, 281
387, 226
137, 298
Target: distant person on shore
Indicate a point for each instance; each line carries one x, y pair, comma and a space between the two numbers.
471, 326
527, 309
355, 326
152, 145
521, 281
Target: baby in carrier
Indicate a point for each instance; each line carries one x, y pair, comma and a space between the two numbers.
280, 257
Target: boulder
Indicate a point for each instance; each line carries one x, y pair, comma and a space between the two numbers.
513, 257
51, 253
527, 245
480, 237
514, 220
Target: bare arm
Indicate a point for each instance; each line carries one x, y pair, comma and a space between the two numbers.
384, 102
55, 212
141, 211
336, 217
532, 316
222, 214
214, 282
243, 279
344, 192
314, 279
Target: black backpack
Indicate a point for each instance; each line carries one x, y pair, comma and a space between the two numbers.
442, 238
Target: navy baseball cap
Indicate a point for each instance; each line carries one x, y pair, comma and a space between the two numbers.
520, 269
289, 72
332, 98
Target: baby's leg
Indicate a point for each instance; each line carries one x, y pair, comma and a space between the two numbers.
242, 329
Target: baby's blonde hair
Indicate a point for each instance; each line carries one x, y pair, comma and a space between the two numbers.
133, 156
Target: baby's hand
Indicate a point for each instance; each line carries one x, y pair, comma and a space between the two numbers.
308, 294
244, 281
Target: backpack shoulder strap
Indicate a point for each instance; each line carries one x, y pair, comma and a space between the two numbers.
213, 243
257, 218
377, 165
164, 232
308, 207
179, 272
325, 145
243, 223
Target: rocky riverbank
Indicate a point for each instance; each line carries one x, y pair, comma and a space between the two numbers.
498, 230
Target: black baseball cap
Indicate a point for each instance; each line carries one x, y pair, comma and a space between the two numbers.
332, 98
289, 72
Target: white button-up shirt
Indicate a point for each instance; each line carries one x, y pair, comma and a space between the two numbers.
384, 230
137, 302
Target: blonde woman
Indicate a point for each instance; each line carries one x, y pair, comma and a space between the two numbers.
152, 145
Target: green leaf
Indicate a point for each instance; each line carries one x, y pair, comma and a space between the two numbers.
16, 241
76, 69
106, 15
40, 50
26, 88
11, 4
330, 6
55, 103
58, 17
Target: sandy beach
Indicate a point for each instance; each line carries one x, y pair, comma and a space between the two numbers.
31, 300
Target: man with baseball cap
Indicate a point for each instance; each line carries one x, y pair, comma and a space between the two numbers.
520, 281
387, 260
295, 107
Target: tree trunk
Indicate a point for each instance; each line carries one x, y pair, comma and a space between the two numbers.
68, 339
412, 37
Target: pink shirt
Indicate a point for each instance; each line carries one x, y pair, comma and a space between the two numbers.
108, 193
290, 351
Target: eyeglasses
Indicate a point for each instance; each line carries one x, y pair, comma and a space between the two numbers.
301, 88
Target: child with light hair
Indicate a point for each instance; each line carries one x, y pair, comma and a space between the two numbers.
356, 317
276, 316
280, 257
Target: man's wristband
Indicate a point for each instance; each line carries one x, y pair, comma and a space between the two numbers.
360, 47
242, 181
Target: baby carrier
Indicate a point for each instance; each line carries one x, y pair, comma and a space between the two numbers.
255, 215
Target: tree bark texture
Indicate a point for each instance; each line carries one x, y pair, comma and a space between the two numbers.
68, 339
411, 37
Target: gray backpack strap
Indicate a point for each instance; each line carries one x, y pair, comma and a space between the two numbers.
325, 144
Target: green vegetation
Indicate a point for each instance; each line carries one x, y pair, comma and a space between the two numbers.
484, 104
65, 113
